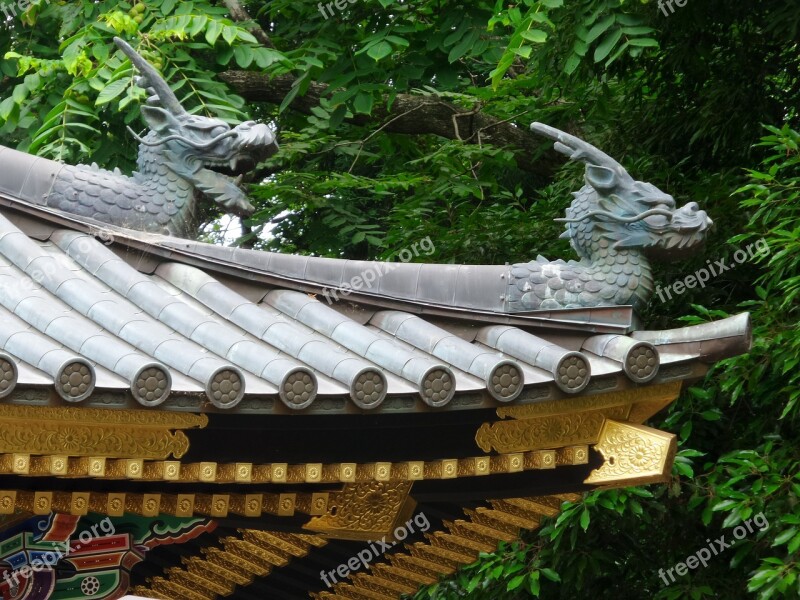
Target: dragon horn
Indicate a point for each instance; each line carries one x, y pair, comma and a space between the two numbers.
154, 80
577, 149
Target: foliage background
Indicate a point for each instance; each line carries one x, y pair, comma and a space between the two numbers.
405, 119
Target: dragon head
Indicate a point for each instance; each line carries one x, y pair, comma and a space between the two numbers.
207, 152
628, 214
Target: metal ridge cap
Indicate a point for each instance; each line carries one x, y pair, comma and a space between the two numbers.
153, 244
224, 267
735, 326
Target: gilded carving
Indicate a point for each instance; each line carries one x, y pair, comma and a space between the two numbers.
193, 581
382, 585
572, 455
485, 518
365, 511
142, 418
439, 548
443, 560
634, 454
540, 459
398, 574
572, 422
52, 438
170, 589
488, 534
546, 432
445, 551
71, 431
208, 568
233, 559
142, 469
416, 566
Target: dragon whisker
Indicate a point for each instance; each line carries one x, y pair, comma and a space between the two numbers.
601, 213
187, 141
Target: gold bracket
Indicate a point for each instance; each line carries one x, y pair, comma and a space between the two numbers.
634, 455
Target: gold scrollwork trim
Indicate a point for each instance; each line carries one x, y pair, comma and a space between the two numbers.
72, 431
64, 414
546, 432
559, 423
82, 440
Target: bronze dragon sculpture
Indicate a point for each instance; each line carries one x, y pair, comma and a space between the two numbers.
615, 223
182, 159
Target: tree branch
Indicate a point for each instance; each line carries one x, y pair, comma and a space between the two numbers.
409, 114
240, 15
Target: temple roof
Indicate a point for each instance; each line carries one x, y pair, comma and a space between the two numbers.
249, 424
290, 419
88, 306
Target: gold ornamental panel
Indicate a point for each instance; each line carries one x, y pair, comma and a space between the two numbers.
559, 423
365, 511
72, 431
634, 455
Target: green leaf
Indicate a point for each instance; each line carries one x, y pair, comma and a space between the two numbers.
535, 35
214, 30
379, 50
111, 91
229, 34
20, 93
6, 107
551, 575
572, 63
585, 519
599, 29
363, 103
643, 42
246, 36
516, 582
784, 536
244, 56
607, 45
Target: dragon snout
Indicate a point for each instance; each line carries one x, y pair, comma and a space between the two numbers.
690, 216
257, 138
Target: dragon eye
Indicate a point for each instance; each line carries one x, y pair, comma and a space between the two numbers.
657, 220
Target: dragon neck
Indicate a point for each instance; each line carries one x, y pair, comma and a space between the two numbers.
160, 178
627, 268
